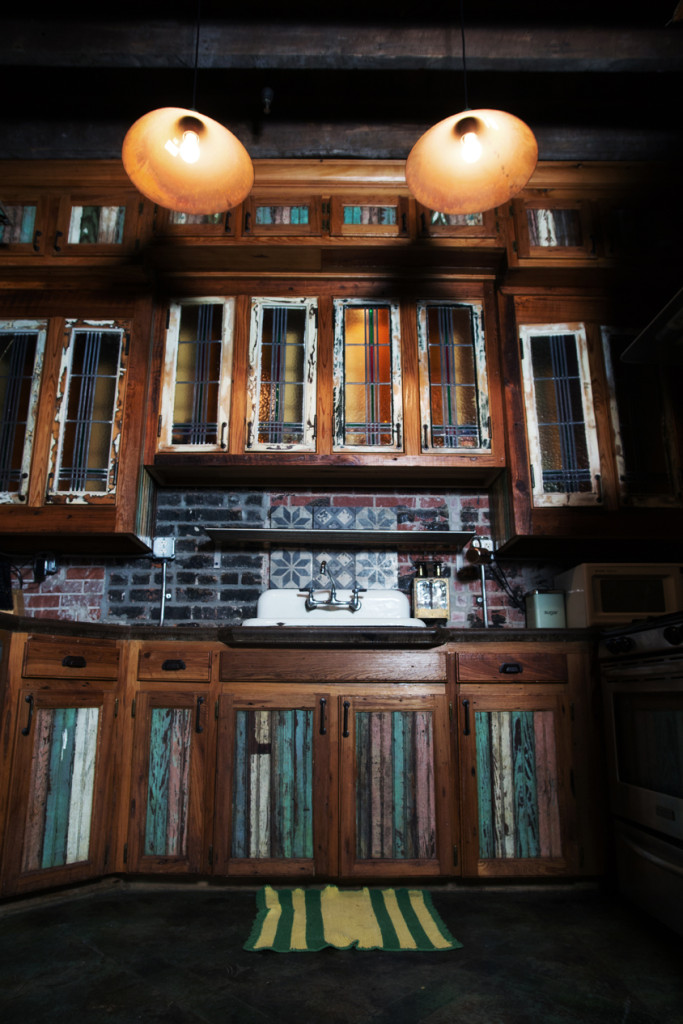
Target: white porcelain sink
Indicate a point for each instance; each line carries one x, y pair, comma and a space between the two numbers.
287, 607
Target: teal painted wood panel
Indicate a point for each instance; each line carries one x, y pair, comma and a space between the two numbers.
170, 747
272, 801
58, 822
395, 801
517, 784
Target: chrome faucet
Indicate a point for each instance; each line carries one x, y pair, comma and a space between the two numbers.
353, 604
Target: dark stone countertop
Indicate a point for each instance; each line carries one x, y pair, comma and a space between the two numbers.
390, 637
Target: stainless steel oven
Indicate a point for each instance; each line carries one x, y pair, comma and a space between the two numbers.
642, 678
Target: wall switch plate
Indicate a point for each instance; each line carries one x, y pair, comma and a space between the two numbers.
163, 547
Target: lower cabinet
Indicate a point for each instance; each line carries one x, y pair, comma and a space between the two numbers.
515, 802
333, 783
58, 802
474, 760
167, 804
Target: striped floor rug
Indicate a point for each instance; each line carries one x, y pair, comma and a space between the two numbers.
306, 920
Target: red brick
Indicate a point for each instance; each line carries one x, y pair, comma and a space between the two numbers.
85, 574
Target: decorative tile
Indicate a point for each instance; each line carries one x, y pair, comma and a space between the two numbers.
340, 564
376, 519
334, 518
290, 568
296, 517
377, 570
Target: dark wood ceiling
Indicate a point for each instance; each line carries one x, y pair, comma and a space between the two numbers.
594, 81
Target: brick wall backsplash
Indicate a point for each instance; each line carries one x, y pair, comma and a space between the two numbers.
205, 585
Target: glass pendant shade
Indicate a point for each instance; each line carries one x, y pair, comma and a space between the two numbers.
471, 162
187, 162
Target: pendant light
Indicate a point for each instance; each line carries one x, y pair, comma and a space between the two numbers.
471, 161
185, 161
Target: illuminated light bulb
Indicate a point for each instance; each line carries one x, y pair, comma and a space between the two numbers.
471, 162
189, 147
220, 180
471, 147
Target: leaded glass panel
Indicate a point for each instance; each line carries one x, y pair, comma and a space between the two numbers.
101, 225
21, 353
89, 412
560, 418
17, 223
198, 373
554, 228
367, 351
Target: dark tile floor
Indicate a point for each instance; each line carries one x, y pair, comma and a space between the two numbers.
125, 953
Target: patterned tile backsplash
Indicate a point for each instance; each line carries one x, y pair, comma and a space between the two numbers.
373, 570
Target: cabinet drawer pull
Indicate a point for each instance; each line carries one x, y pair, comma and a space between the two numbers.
27, 728
74, 661
345, 728
511, 668
466, 709
173, 665
198, 727
323, 726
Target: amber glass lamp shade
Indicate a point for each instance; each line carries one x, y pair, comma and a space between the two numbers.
187, 162
471, 162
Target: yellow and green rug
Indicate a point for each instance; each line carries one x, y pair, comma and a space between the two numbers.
307, 920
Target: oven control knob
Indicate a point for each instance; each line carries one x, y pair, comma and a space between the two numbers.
619, 644
673, 634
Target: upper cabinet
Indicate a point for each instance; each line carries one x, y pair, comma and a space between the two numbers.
72, 392
271, 384
594, 441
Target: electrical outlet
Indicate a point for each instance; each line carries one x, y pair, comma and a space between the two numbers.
163, 547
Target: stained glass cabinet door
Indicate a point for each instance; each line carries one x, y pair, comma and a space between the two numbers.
167, 808
59, 790
394, 771
514, 770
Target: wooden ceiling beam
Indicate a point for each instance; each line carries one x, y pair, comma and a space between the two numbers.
171, 44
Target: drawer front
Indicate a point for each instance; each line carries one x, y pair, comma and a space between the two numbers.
518, 667
174, 664
70, 659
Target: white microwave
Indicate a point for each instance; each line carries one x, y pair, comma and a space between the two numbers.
613, 594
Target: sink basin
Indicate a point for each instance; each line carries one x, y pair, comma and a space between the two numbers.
287, 607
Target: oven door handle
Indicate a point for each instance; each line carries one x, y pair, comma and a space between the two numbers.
648, 855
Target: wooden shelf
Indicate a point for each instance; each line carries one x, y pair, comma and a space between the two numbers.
413, 540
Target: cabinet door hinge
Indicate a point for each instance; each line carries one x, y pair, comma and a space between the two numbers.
168, 318
106, 854
215, 711
211, 855
455, 855
116, 707
125, 853
159, 425
132, 708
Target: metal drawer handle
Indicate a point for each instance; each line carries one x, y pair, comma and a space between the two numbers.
74, 661
27, 728
173, 665
511, 668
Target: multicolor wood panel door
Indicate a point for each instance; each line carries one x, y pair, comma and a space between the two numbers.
167, 809
270, 753
514, 768
393, 756
59, 782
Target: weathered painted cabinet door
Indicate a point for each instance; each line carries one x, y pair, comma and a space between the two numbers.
394, 786
274, 800
167, 810
59, 789
515, 767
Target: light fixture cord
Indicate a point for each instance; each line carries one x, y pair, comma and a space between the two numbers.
464, 58
196, 55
